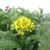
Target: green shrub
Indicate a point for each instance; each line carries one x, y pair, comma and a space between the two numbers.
38, 39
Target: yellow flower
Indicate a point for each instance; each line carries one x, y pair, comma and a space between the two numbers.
20, 32
23, 23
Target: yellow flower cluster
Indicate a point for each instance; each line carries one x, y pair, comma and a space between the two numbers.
23, 24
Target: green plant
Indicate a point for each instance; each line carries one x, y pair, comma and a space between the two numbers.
37, 39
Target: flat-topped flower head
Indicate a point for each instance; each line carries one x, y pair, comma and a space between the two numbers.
23, 24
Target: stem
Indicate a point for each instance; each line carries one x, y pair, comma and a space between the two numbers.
23, 42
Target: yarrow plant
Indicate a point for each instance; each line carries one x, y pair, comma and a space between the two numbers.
24, 30
23, 24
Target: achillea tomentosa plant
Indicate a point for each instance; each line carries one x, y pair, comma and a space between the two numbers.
22, 30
